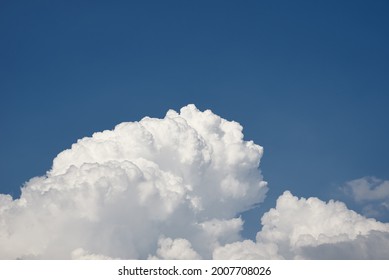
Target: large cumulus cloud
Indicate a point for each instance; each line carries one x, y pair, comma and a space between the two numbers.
173, 188
142, 190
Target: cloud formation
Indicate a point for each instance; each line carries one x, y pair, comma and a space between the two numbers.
169, 188
371, 193
173, 188
312, 229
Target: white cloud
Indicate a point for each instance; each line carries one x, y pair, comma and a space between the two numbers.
367, 189
374, 245
177, 249
81, 254
144, 188
172, 188
312, 229
247, 250
371, 193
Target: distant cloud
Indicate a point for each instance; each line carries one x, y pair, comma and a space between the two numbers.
173, 188
312, 229
371, 193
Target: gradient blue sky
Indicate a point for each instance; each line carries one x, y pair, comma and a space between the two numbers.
308, 80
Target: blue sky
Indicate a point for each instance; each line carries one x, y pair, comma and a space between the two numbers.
307, 80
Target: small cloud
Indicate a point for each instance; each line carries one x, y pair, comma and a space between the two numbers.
177, 249
81, 254
371, 193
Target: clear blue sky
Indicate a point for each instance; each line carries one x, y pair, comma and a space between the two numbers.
308, 80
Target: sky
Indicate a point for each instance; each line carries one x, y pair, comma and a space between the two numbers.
307, 81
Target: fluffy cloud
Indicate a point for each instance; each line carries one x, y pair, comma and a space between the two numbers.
173, 188
169, 188
312, 229
177, 249
371, 193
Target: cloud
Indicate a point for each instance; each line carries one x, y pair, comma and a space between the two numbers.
81, 254
247, 250
173, 188
312, 229
169, 188
374, 245
177, 249
371, 193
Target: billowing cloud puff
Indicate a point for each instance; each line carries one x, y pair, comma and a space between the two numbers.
169, 188
312, 229
174, 188
178, 249
371, 193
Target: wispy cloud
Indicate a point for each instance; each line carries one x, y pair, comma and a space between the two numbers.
371, 193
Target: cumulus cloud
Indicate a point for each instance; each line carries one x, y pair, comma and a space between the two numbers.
177, 249
373, 246
169, 188
312, 229
371, 193
173, 188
